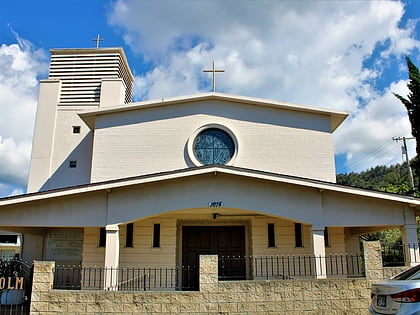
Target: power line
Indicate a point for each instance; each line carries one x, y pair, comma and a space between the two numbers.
368, 158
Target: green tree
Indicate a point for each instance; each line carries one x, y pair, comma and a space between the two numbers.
393, 179
412, 103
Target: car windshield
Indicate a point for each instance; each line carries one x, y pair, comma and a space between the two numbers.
410, 274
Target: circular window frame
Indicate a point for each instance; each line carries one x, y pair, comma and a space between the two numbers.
191, 140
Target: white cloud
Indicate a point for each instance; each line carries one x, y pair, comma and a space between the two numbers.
20, 64
366, 137
313, 53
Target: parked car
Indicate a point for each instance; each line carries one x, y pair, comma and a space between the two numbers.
399, 295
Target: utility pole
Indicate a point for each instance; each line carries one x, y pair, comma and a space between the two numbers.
405, 151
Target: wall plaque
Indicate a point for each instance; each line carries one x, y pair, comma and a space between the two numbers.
64, 246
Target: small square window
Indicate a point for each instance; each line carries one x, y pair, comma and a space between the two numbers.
102, 237
73, 164
156, 235
129, 231
76, 129
271, 235
298, 235
326, 238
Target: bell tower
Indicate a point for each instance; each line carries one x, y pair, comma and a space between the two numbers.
79, 80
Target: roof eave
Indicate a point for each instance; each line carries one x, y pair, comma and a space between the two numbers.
184, 173
336, 116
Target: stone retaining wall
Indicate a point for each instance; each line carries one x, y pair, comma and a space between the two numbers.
322, 296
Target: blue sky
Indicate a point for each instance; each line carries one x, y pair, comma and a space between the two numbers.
346, 55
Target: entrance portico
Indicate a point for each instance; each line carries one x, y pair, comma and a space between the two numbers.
264, 203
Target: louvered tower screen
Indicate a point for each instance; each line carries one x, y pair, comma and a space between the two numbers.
81, 72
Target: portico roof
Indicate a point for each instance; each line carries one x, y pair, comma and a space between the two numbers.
211, 169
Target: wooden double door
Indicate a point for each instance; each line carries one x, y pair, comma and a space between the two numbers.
228, 242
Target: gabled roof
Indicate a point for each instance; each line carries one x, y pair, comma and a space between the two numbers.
210, 169
337, 117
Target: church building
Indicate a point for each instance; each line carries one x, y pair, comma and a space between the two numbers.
157, 183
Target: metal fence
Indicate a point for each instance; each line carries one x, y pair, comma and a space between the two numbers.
290, 267
186, 278
399, 254
126, 278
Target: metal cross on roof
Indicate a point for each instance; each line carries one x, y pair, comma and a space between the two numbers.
97, 40
214, 70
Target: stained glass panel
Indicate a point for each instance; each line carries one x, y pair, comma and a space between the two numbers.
213, 146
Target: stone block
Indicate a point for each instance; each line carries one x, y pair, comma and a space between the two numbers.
340, 304
36, 296
297, 295
84, 297
246, 286
208, 278
189, 308
209, 287
331, 294
153, 308
228, 308
135, 308
321, 284
41, 287
171, 308
41, 277
265, 307
208, 264
43, 266
93, 308
76, 307
284, 306
186, 298
312, 295
303, 305
228, 297
57, 306
142, 298
208, 308
321, 305
228, 287
124, 297
39, 307
161, 297
245, 307
303, 285
104, 297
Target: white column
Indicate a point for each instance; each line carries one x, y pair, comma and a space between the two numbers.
411, 243
112, 257
319, 252
409, 237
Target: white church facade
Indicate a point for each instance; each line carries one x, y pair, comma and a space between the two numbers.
157, 183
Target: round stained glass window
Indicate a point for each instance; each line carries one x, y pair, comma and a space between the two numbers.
213, 146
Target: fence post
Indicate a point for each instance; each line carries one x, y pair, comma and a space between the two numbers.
209, 276
42, 282
373, 260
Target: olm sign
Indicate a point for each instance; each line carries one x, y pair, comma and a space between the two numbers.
11, 283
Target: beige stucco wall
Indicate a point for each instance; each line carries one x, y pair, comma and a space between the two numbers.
155, 140
169, 254
69, 146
